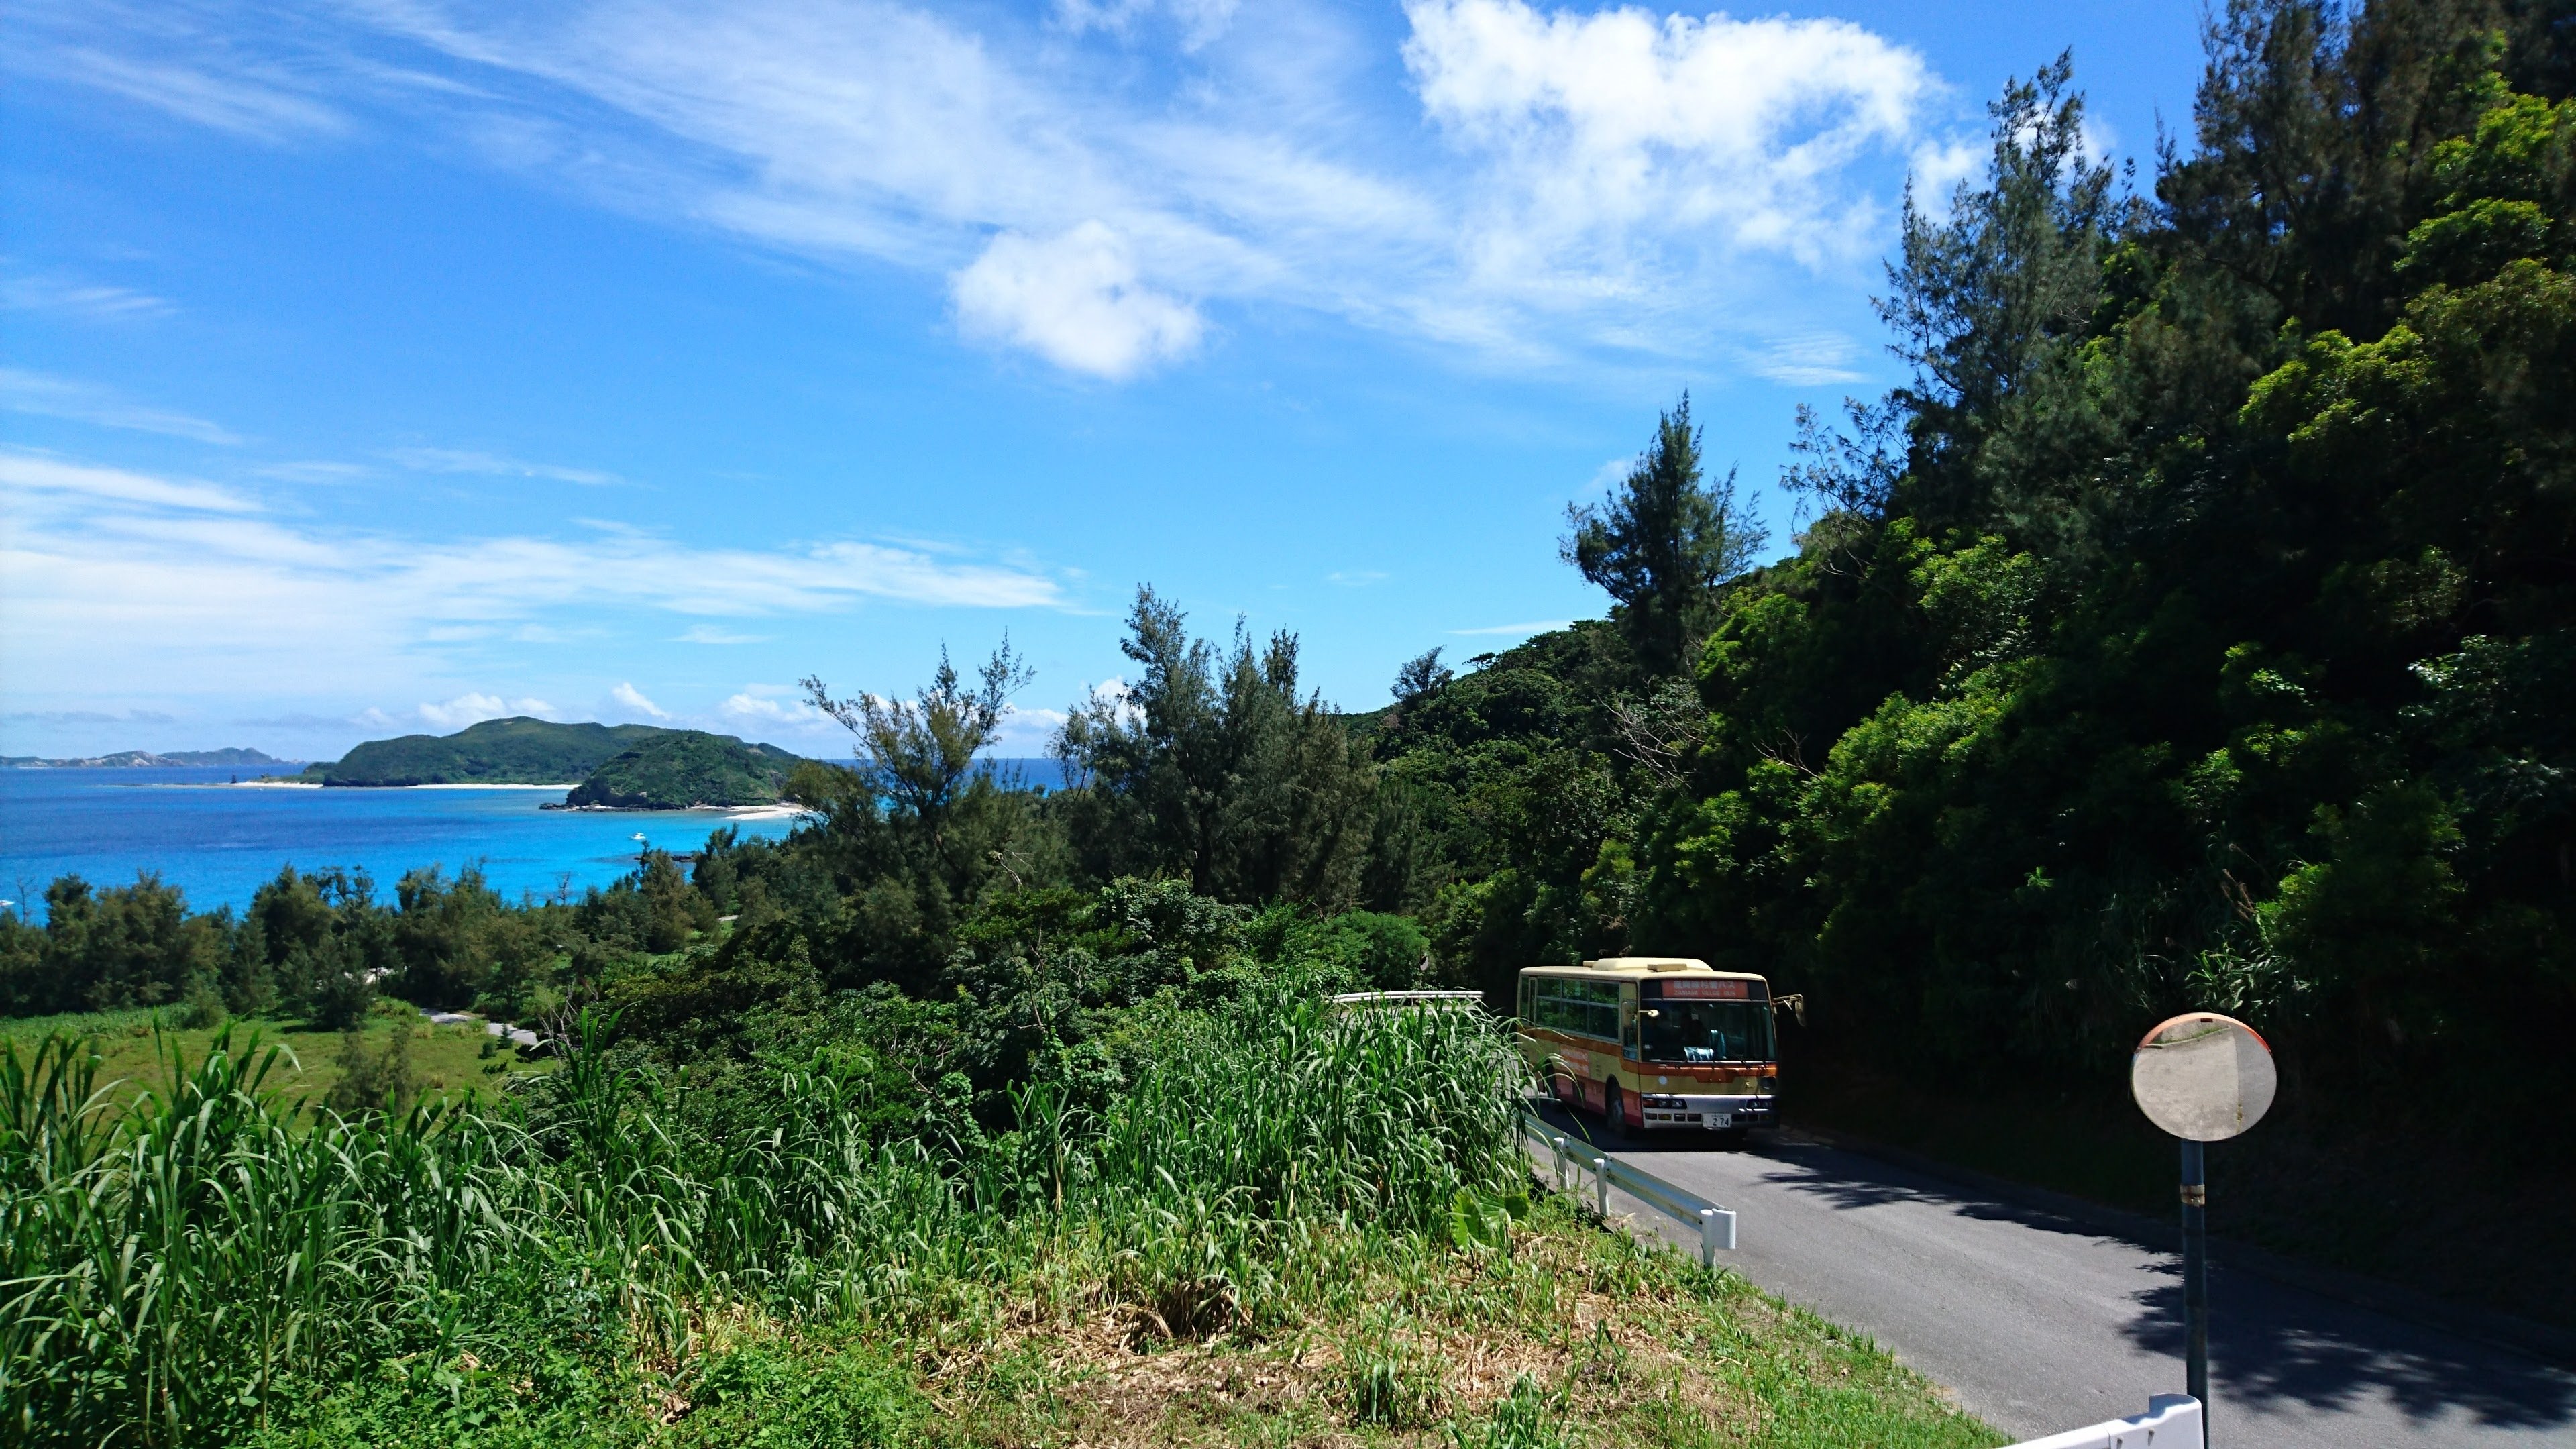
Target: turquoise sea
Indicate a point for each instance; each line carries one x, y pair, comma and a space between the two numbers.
218, 841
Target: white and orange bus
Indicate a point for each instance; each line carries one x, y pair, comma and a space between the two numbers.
1654, 1042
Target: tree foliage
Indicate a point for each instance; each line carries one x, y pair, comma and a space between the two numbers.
1662, 541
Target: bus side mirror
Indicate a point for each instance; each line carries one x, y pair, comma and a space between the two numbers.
1796, 1001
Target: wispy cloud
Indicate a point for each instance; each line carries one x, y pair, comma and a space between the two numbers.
62, 397
459, 460
1615, 180
1198, 21
714, 634
631, 697
94, 300
1809, 360
315, 471
37, 476
116, 570
87, 717
220, 86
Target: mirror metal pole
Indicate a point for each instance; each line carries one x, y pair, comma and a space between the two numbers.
2195, 1279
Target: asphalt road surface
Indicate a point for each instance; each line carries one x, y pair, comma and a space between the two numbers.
2039, 1323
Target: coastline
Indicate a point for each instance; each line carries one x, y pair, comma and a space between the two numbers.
318, 785
780, 811
729, 812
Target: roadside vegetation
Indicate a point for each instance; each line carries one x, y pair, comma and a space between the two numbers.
1290, 1225
2195, 628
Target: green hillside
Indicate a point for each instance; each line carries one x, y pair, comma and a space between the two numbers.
496, 752
679, 769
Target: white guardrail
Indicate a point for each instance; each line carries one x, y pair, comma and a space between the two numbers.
2172, 1421
1716, 1225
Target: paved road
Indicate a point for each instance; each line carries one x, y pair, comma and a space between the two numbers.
2039, 1323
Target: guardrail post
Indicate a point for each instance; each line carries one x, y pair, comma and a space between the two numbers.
2174, 1420
1708, 1239
1559, 1139
1601, 1186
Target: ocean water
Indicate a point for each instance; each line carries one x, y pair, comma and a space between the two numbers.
219, 842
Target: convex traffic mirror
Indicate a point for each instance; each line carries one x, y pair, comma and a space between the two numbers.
2203, 1077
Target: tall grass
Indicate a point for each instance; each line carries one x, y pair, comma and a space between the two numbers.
166, 1261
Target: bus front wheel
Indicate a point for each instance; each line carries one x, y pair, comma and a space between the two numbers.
1614, 1109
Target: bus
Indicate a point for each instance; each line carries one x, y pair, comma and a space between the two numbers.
1654, 1043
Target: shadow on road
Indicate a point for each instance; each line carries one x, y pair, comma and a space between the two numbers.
2274, 1348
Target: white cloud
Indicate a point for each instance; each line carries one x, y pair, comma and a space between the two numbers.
455, 460
633, 698
315, 471
1075, 301
104, 569
758, 704
1199, 21
81, 299
35, 475
255, 101
1940, 165
712, 634
466, 709
1811, 360
249, 71
59, 397
1026, 733
1115, 695
1616, 180
1609, 475
1603, 123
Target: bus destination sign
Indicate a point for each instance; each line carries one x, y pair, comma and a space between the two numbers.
1707, 990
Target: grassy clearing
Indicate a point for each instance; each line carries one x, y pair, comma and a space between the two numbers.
450, 1062
1580, 1336
1303, 1234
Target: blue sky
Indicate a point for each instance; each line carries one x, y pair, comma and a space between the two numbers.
380, 366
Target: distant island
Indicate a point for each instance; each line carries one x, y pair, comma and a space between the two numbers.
617, 767
146, 759
684, 770
516, 751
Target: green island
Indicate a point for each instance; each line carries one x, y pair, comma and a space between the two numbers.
685, 770
610, 767
2193, 630
142, 759
514, 751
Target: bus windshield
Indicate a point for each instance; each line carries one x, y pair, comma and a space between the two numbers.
1707, 1031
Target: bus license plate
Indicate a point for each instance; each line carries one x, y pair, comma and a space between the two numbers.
1719, 1120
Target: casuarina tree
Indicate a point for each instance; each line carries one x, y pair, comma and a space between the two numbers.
1661, 543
